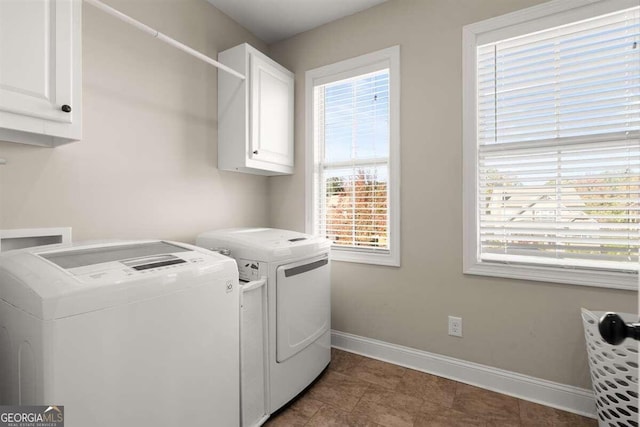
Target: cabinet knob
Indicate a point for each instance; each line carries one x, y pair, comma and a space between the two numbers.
255, 151
66, 108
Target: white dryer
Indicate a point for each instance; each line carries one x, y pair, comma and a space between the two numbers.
298, 301
121, 334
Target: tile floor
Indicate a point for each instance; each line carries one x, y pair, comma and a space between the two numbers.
358, 391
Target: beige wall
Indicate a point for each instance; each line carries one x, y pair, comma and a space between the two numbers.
146, 166
526, 327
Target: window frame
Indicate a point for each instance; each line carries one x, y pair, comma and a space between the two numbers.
546, 15
360, 65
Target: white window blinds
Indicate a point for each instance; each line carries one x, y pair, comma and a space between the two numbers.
351, 128
558, 178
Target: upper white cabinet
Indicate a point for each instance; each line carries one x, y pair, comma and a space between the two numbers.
40, 71
255, 116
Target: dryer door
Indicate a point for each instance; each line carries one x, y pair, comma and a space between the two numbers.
302, 305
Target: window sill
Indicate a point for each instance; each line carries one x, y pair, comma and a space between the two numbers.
346, 255
582, 277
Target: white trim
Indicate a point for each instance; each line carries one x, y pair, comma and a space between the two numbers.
581, 277
389, 57
528, 14
373, 257
351, 70
469, 150
546, 15
564, 397
553, 13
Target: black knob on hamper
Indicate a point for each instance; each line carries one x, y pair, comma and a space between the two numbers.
66, 108
614, 330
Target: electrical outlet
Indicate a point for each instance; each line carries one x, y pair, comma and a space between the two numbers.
455, 326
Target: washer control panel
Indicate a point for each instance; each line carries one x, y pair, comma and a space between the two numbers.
116, 263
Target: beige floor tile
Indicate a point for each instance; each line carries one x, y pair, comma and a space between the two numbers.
377, 372
495, 408
384, 415
339, 360
297, 413
328, 416
534, 415
306, 405
391, 398
432, 389
447, 417
343, 361
287, 419
338, 390
358, 391
567, 419
503, 422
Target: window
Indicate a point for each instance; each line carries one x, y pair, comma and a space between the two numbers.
551, 144
353, 147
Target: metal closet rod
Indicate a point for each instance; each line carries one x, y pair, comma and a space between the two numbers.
157, 34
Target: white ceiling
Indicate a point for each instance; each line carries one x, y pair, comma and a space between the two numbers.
275, 20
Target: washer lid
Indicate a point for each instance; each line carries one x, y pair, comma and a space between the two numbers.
69, 280
264, 244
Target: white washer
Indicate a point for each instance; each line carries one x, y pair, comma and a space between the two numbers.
122, 334
299, 302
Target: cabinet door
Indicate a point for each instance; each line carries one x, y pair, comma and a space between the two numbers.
271, 113
36, 58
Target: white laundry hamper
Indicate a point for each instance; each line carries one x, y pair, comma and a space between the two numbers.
614, 373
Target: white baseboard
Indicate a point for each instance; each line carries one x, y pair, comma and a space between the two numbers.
567, 398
